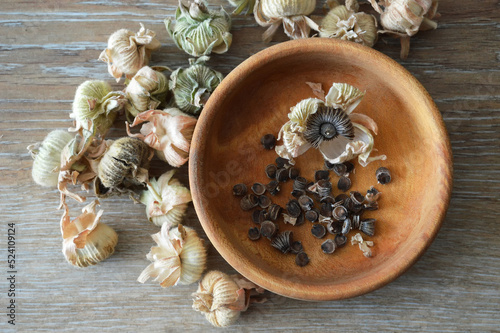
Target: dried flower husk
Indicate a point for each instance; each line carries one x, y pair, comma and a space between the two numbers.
292, 13
179, 258
47, 157
127, 52
404, 18
166, 200
199, 31
148, 90
95, 105
221, 297
346, 24
169, 132
192, 86
338, 149
87, 241
242, 5
364, 245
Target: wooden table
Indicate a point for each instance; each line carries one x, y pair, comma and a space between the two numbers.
47, 48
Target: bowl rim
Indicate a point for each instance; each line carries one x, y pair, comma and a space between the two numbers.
261, 277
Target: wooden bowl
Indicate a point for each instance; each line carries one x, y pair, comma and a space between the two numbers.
254, 99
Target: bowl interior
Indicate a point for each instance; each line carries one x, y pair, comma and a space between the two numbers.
254, 100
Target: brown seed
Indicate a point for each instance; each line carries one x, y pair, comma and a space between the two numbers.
321, 174
328, 246
283, 241
274, 212
293, 173
298, 193
356, 219
293, 208
273, 187
263, 216
340, 213
341, 197
383, 175
258, 188
339, 169
249, 201
282, 162
264, 201
358, 209
349, 166
318, 230
367, 226
348, 204
301, 259
324, 187
346, 227
268, 229
254, 233
329, 199
300, 220
282, 175
306, 203
256, 215
239, 189
296, 247
340, 240
334, 227
357, 198
344, 184
300, 183
268, 141
326, 209
312, 215
271, 171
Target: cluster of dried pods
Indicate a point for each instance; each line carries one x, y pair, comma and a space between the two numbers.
313, 201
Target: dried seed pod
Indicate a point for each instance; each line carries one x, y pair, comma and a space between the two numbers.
328, 246
296, 247
274, 212
273, 187
301, 259
312, 215
344, 184
321, 174
268, 229
372, 195
300, 183
249, 201
340, 240
282, 175
383, 175
256, 216
293, 173
258, 188
298, 193
346, 227
334, 227
306, 203
271, 170
268, 141
326, 209
282, 162
293, 208
364, 246
357, 198
371, 205
240, 189
283, 241
324, 187
367, 226
264, 201
356, 220
318, 230
242, 5
254, 233
326, 124
289, 219
340, 213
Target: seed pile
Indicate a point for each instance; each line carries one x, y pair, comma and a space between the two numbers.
313, 201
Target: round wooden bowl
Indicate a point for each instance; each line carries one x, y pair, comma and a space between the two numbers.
254, 99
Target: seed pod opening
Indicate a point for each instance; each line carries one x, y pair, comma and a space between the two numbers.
327, 124
328, 246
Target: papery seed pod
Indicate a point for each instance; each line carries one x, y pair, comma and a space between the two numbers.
324, 188
240, 189
148, 90
95, 106
356, 220
178, 258
199, 31
192, 86
254, 233
328, 246
125, 163
283, 241
364, 246
242, 5
87, 241
302, 259
166, 200
127, 52
47, 157
268, 141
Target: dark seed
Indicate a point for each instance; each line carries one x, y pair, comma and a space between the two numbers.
249, 201
340, 240
268, 141
293, 208
282, 175
256, 215
300, 220
372, 194
312, 215
306, 203
268, 229
335, 227
329, 165
318, 230
274, 212
328, 199
357, 197
324, 187
258, 188
348, 204
356, 219
368, 227
371, 206
298, 193
326, 209
296, 247
283, 241
263, 216
239, 189
358, 209
349, 166
341, 197
281, 162
344, 184
254, 233
264, 201
300, 183
339, 169
301, 259
271, 171
273, 187
340, 213
293, 173
383, 175
346, 227
328, 246
321, 174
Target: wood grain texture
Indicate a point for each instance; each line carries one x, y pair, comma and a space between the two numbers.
47, 48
